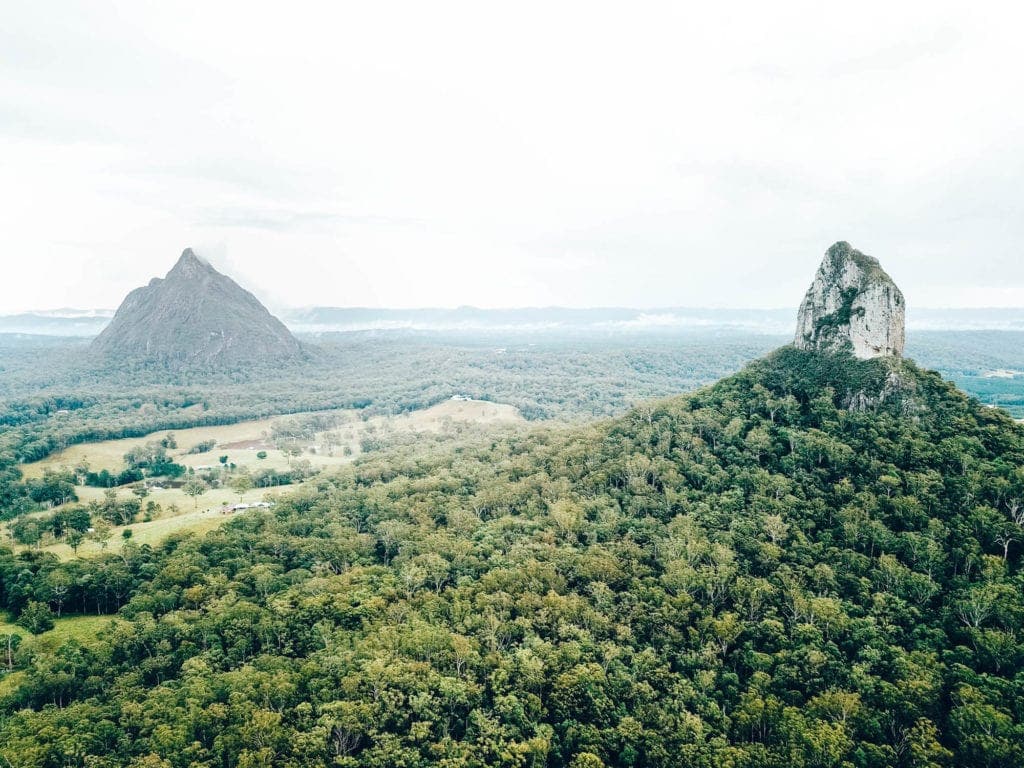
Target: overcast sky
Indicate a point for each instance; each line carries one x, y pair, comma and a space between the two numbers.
512, 154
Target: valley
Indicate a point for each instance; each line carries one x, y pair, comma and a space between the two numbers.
562, 385
750, 535
313, 442
638, 550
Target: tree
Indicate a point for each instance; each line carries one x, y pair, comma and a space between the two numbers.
36, 617
10, 642
101, 531
242, 485
77, 519
152, 511
74, 540
27, 530
60, 584
586, 760
195, 488
53, 488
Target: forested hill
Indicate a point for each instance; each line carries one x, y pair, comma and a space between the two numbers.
814, 562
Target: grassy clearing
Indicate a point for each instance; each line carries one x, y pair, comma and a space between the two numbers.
6, 625
205, 518
9, 682
109, 454
84, 629
200, 515
240, 443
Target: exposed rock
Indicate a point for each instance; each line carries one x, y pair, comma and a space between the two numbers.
898, 390
852, 306
194, 317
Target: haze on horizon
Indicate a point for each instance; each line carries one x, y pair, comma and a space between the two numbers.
578, 155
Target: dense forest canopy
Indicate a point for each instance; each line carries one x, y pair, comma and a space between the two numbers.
813, 562
52, 394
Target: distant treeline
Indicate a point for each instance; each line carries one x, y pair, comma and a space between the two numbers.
51, 398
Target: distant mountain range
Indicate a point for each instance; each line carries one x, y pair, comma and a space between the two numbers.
314, 320
59, 322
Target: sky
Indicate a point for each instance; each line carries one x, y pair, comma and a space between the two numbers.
510, 154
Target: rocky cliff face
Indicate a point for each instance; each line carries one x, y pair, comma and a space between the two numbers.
195, 317
852, 306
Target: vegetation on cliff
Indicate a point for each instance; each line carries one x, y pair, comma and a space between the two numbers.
752, 575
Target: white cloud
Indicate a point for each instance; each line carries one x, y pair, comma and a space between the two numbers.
421, 154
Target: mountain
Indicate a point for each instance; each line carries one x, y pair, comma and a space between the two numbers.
195, 317
817, 562
852, 305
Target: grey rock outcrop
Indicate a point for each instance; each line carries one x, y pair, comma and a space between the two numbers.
195, 317
852, 306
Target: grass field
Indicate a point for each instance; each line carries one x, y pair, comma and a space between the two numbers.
240, 443
109, 454
6, 625
84, 629
9, 682
155, 531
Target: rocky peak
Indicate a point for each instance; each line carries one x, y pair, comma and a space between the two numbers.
189, 265
195, 317
852, 306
